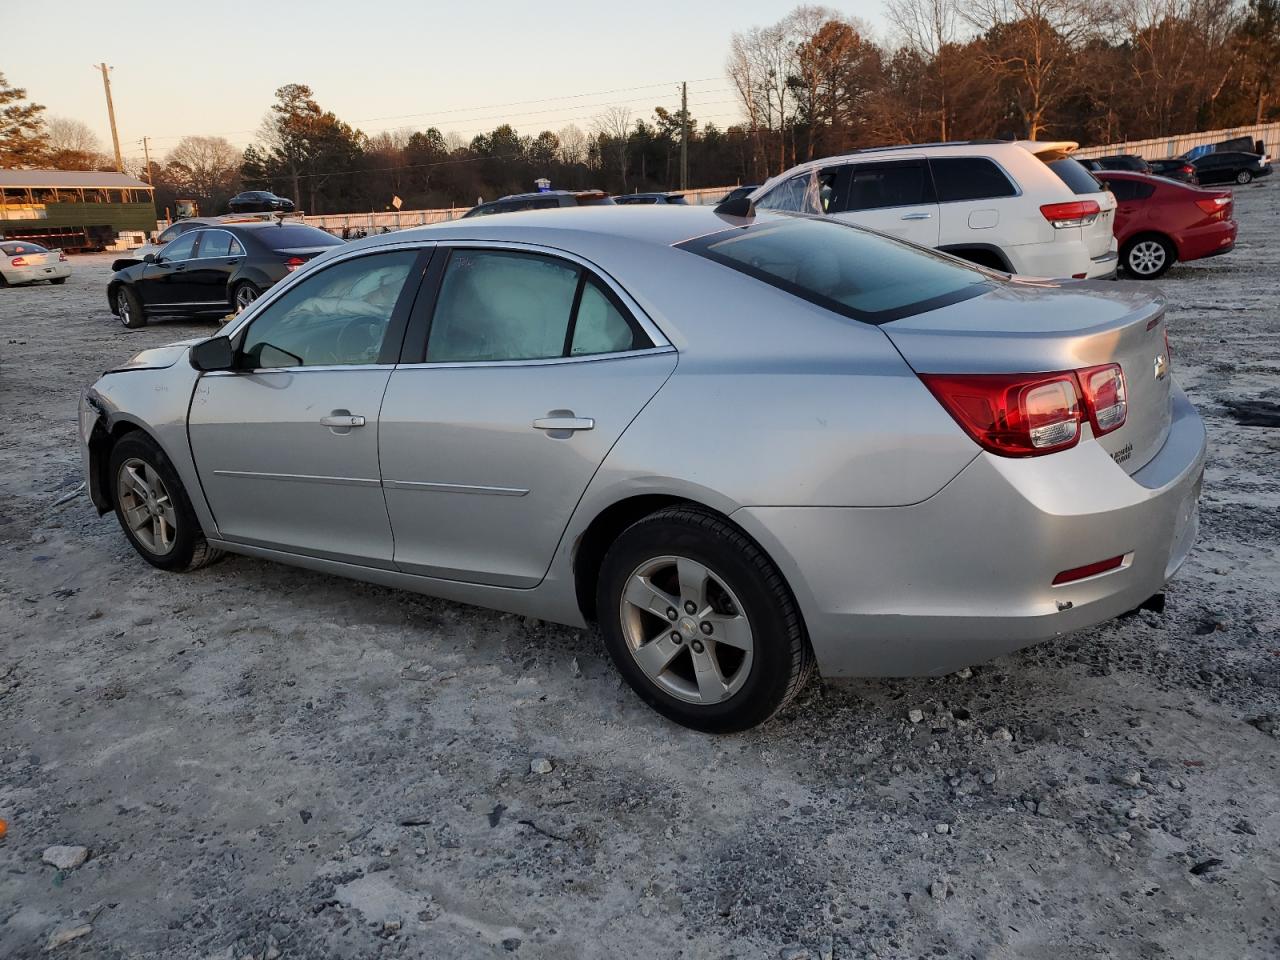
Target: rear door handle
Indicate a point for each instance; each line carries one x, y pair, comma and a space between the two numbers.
342, 420
917, 216
564, 423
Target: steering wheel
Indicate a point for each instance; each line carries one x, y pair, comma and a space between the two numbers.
359, 339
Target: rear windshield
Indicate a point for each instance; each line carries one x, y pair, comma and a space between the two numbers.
17, 249
844, 268
594, 201
285, 236
1075, 176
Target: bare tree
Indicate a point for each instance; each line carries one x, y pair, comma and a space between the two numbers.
929, 28
614, 125
573, 144
205, 167
71, 136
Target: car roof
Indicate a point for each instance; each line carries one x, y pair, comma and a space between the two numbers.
549, 193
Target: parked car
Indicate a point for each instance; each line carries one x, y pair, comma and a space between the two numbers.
1230, 166
894, 484
1124, 161
259, 201
24, 262
179, 227
543, 200
1159, 222
738, 193
1023, 207
1174, 168
650, 198
213, 270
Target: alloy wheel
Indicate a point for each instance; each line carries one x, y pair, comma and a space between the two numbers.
1243, 177
686, 630
1147, 257
123, 310
147, 506
245, 295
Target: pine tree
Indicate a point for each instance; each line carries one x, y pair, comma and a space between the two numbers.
23, 140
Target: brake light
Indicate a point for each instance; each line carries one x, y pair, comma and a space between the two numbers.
1088, 570
1014, 415
1076, 213
1104, 395
62, 257
1187, 168
18, 262
1214, 206
293, 263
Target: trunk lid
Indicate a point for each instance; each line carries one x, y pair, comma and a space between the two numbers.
1027, 326
40, 259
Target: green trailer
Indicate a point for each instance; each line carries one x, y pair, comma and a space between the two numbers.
73, 210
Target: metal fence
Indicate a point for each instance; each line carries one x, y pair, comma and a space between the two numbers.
1174, 146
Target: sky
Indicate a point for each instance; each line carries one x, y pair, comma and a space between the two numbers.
211, 69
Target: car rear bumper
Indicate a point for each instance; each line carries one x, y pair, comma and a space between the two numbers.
1063, 259
1209, 241
968, 574
53, 271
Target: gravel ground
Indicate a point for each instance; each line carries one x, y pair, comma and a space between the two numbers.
268, 762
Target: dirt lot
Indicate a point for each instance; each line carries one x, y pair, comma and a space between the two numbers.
268, 762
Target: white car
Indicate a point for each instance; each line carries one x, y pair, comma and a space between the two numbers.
24, 262
1023, 207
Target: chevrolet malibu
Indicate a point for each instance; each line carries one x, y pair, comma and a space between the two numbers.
746, 447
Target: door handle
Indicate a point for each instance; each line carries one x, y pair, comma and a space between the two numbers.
342, 420
569, 423
917, 216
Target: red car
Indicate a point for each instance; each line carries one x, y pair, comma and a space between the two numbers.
1159, 221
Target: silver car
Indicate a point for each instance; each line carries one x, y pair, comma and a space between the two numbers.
743, 447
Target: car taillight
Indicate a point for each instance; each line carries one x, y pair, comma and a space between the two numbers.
62, 257
293, 263
18, 262
1076, 213
1014, 415
1187, 168
1214, 206
1104, 395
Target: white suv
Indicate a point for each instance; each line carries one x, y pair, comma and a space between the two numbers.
1024, 207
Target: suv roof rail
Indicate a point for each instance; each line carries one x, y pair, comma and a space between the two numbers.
921, 146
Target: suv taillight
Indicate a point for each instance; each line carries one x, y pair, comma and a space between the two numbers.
1031, 414
1075, 213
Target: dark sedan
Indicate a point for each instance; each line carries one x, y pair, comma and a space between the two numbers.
646, 198
1175, 168
1230, 167
213, 271
259, 201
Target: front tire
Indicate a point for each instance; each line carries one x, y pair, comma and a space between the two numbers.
1244, 177
1148, 257
129, 308
153, 508
700, 622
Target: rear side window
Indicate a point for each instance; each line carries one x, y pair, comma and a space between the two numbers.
1130, 189
898, 183
215, 243
1076, 177
969, 178
854, 272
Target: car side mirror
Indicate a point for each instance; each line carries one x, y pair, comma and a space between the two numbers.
215, 353
149, 258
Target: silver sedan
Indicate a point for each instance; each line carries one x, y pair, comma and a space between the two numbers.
744, 447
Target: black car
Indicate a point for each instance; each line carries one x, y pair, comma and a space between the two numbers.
1230, 167
738, 193
259, 201
1130, 162
1090, 164
543, 200
213, 271
647, 198
1174, 168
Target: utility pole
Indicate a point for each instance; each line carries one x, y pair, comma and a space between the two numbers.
684, 136
146, 150
111, 114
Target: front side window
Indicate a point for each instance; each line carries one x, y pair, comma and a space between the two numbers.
897, 183
817, 191
181, 249
336, 316
852, 271
499, 305
969, 178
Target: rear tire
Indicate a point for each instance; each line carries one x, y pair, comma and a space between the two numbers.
742, 653
1244, 177
58, 281
243, 295
1148, 256
129, 308
153, 508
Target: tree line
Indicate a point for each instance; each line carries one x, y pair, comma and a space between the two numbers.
816, 83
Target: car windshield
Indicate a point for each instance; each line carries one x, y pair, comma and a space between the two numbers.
16, 249
285, 236
844, 268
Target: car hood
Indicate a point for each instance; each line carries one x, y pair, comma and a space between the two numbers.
157, 358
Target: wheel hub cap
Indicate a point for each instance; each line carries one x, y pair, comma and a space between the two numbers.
146, 506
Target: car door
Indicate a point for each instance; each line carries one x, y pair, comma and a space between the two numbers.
165, 284
1131, 205
1209, 169
217, 255
286, 444
534, 366
895, 197
978, 204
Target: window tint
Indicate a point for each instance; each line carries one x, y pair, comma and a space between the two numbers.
600, 327
180, 249
843, 268
215, 243
338, 315
1076, 177
969, 178
495, 305
896, 184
